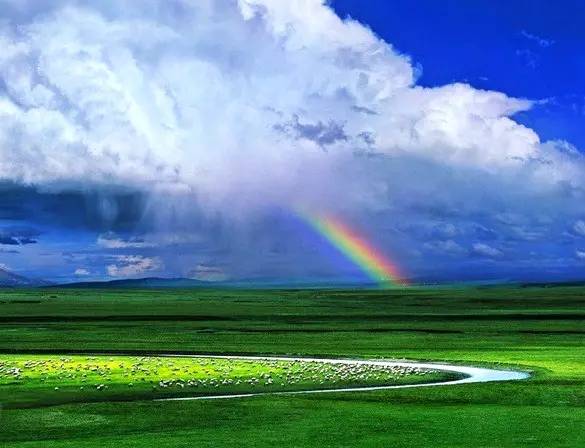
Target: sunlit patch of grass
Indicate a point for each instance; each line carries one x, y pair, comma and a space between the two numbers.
41, 379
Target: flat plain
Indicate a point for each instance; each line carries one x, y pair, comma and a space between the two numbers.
536, 329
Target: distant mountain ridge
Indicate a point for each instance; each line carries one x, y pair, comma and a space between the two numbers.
11, 280
8, 279
158, 282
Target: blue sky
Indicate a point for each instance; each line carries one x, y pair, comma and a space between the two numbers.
181, 138
525, 48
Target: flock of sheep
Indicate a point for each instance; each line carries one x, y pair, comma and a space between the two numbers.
101, 372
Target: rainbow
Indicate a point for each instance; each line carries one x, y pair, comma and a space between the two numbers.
378, 267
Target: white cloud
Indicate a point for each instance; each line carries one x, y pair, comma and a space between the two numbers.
81, 272
486, 250
171, 97
111, 241
580, 254
541, 41
579, 227
448, 247
133, 266
208, 273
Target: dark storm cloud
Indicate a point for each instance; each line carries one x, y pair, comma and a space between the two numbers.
98, 210
321, 133
18, 236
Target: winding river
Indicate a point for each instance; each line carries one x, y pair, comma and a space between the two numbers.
469, 375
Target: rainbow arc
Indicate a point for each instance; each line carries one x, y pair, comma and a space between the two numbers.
356, 248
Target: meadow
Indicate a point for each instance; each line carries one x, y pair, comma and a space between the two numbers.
539, 329
42, 380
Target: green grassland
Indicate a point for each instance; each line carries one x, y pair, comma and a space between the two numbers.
42, 380
537, 329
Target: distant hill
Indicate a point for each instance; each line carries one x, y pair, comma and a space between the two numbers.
138, 283
558, 284
10, 280
169, 283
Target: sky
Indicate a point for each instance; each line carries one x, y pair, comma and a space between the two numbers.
200, 139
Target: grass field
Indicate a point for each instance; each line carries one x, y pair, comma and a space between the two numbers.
536, 329
43, 380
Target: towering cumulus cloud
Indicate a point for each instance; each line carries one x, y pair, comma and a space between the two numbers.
235, 107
